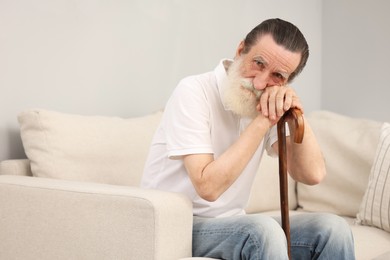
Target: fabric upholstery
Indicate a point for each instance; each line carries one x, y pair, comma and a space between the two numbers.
86, 148
385, 256
348, 145
369, 242
16, 167
267, 179
56, 219
374, 209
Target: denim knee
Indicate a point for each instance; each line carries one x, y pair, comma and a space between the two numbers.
265, 237
322, 236
241, 237
263, 227
338, 229
335, 226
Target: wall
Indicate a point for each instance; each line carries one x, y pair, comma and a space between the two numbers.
356, 54
123, 58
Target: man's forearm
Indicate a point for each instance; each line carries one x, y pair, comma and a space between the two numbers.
305, 161
213, 176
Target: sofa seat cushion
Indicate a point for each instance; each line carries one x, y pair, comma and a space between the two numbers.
348, 145
100, 149
377, 239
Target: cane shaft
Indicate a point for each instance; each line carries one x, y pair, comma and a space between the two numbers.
283, 183
294, 117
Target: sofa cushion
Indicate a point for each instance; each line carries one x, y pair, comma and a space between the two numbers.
370, 243
265, 192
101, 149
374, 209
348, 145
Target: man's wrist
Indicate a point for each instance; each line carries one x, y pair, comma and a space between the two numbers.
263, 121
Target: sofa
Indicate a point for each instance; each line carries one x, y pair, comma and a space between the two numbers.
76, 195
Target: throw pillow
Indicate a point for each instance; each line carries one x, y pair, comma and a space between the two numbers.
375, 207
101, 149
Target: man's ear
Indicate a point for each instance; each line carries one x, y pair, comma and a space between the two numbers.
240, 48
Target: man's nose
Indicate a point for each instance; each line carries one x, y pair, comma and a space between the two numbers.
261, 81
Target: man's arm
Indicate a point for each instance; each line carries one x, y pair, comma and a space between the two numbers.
305, 162
213, 176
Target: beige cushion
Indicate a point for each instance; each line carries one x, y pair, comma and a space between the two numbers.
348, 145
369, 242
374, 209
265, 192
385, 256
101, 149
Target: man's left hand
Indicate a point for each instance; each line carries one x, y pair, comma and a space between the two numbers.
276, 100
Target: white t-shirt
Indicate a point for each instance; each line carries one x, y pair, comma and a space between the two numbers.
195, 121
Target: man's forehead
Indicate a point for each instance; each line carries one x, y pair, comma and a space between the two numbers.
275, 55
285, 72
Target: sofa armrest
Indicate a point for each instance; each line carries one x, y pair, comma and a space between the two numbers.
15, 167
56, 219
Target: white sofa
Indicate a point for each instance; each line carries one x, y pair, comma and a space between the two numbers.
76, 196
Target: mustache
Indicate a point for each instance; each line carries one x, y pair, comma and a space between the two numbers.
248, 84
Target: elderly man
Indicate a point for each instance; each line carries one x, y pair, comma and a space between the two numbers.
214, 131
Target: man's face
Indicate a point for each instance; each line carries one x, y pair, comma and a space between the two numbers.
266, 64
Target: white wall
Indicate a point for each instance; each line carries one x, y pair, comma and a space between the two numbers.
122, 57
356, 58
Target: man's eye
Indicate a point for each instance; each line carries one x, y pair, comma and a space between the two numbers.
259, 63
279, 76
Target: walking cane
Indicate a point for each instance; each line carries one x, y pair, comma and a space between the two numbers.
293, 116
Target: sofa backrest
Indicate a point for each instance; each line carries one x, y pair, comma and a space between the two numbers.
87, 148
114, 150
348, 145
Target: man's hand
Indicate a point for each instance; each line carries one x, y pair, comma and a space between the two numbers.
304, 161
276, 100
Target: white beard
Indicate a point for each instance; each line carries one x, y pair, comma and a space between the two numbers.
239, 94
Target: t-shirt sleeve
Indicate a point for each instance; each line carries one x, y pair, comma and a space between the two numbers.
271, 138
187, 120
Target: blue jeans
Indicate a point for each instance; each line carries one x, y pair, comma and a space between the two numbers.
313, 236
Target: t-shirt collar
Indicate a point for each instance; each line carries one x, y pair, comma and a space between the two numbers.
221, 76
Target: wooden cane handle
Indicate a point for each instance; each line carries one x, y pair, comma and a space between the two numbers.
295, 117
